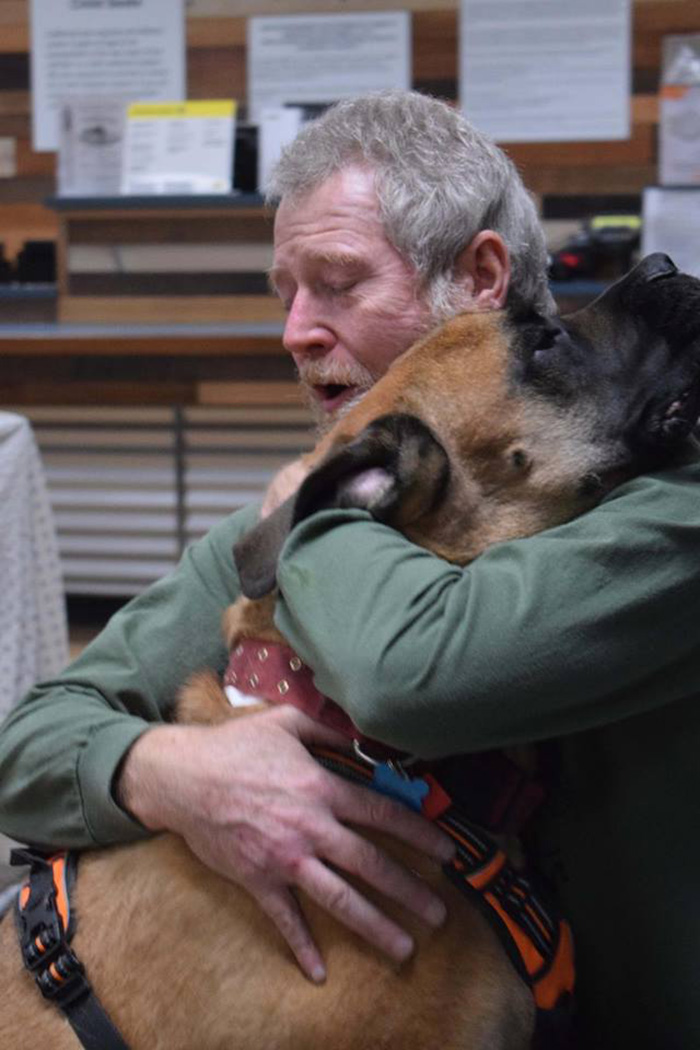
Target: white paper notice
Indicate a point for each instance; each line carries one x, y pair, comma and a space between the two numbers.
128, 49
90, 147
302, 59
671, 224
546, 70
179, 147
277, 127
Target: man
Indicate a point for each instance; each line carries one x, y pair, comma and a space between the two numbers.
393, 214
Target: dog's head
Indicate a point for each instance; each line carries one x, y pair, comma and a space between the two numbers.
498, 425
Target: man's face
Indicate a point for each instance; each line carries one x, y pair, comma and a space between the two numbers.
352, 301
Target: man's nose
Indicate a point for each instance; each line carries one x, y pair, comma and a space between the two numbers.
305, 331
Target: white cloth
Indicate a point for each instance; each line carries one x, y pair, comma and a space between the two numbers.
33, 626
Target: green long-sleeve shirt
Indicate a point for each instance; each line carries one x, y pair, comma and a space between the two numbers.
586, 636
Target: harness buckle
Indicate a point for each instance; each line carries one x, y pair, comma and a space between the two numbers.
62, 980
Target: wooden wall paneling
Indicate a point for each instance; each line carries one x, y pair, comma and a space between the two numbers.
15, 103
129, 341
635, 151
604, 179
434, 46
15, 38
30, 163
62, 271
249, 393
645, 109
24, 221
165, 392
15, 126
654, 19
217, 72
13, 11
216, 32
144, 227
33, 189
78, 392
163, 309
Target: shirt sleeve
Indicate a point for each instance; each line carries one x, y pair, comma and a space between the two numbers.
61, 746
579, 626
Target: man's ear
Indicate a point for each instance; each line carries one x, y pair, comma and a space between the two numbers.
483, 267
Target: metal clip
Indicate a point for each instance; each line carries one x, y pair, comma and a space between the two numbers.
396, 765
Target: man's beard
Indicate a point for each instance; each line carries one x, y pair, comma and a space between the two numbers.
356, 375
311, 375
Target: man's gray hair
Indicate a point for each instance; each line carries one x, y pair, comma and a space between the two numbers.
439, 182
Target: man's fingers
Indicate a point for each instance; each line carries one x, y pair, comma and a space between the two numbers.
308, 730
366, 807
283, 908
361, 858
343, 902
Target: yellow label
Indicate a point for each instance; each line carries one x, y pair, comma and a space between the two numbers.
601, 222
168, 110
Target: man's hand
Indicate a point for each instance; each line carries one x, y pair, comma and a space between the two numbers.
254, 806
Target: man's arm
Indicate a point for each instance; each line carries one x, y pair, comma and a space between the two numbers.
82, 764
62, 746
582, 625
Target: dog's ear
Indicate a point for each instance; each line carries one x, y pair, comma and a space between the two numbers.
396, 469
256, 554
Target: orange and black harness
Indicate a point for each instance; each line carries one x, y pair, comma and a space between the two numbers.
45, 924
538, 942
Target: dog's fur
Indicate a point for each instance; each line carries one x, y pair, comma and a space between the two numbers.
495, 426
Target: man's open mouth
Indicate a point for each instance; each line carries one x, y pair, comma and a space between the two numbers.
332, 395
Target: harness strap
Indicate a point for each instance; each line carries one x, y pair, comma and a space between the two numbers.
537, 941
45, 925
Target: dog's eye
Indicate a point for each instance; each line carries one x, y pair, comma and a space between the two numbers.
518, 460
546, 340
549, 363
591, 485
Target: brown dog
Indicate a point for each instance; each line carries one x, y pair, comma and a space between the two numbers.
495, 426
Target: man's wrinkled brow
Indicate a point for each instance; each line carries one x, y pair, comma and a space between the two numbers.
317, 259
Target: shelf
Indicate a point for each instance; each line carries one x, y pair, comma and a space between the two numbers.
578, 289
21, 293
170, 340
157, 202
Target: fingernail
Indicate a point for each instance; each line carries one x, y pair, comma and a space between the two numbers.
435, 913
404, 948
318, 974
446, 851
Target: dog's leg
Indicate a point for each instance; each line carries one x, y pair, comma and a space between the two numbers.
202, 701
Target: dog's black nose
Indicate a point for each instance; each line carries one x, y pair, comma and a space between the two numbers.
654, 266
